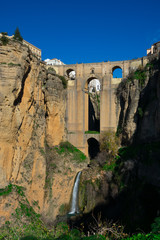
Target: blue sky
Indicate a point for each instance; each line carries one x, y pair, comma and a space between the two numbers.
85, 31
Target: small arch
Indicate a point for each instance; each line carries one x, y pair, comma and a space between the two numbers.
92, 70
71, 74
117, 72
93, 147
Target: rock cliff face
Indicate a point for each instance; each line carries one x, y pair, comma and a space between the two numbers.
32, 121
139, 104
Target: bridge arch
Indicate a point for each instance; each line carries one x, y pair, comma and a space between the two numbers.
117, 72
93, 147
71, 73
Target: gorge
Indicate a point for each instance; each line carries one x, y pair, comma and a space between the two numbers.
38, 165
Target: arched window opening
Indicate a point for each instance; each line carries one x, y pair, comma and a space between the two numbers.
71, 74
93, 148
117, 72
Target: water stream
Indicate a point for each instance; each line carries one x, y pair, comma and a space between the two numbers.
74, 204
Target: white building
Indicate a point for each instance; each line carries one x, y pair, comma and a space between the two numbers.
53, 61
155, 48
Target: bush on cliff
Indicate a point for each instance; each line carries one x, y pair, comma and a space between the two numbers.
64, 81
4, 39
109, 142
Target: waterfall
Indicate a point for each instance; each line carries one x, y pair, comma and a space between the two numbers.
74, 204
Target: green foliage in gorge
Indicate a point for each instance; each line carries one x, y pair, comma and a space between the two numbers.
67, 148
109, 142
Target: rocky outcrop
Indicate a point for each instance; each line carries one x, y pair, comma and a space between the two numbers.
138, 100
32, 122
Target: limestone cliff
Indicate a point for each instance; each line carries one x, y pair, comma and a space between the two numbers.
138, 101
32, 121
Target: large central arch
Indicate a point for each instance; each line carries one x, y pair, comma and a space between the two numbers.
92, 104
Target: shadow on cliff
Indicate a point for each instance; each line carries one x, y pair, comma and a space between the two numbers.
134, 208
145, 110
93, 122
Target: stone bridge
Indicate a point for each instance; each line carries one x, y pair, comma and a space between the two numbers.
77, 114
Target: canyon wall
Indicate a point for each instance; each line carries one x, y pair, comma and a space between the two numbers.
32, 122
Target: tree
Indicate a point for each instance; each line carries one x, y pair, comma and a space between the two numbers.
17, 35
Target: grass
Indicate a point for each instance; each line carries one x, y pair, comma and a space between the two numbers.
13, 64
67, 148
92, 132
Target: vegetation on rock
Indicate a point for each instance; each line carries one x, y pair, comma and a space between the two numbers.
64, 81
67, 148
4, 39
109, 142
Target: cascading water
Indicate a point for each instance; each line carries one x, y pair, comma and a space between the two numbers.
74, 204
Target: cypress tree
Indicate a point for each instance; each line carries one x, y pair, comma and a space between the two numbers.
17, 35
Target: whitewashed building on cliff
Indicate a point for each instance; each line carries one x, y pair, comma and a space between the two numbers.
53, 61
155, 48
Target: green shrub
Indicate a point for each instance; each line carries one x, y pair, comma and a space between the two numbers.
140, 75
4, 39
142, 236
61, 228
109, 142
52, 70
42, 151
140, 112
63, 209
156, 225
109, 166
6, 190
64, 81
